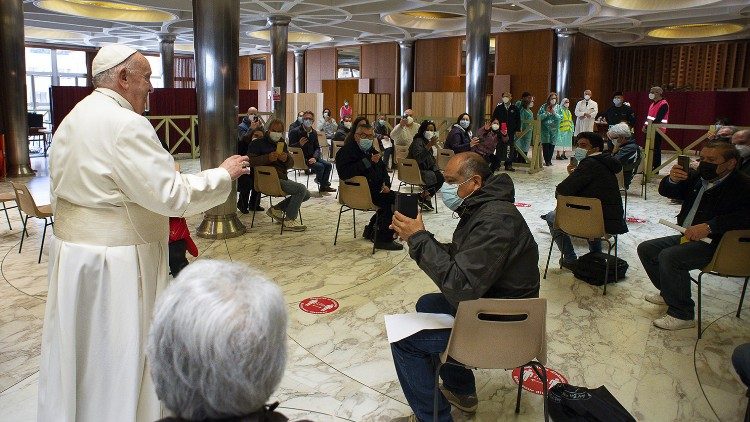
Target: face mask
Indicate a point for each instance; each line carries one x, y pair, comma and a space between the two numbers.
707, 170
580, 153
365, 144
428, 134
587, 97
552, 101
275, 136
348, 125
744, 150
531, 104
450, 195
506, 100
346, 104
381, 122
300, 118
495, 126
617, 102
464, 123
409, 120
307, 123
325, 114
253, 117
651, 96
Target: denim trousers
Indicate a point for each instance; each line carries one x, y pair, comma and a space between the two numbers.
298, 194
387, 153
322, 170
668, 264
563, 242
416, 358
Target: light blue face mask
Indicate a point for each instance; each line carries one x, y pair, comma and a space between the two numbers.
464, 123
365, 144
580, 153
307, 123
450, 195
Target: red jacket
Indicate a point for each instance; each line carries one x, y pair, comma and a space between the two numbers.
178, 230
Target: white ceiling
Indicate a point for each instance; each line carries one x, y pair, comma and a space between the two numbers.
361, 21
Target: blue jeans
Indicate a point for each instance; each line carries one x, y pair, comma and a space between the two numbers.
322, 170
387, 153
298, 194
741, 362
416, 358
563, 242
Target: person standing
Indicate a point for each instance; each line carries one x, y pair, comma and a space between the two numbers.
550, 118
508, 113
527, 125
586, 111
345, 110
619, 112
112, 188
565, 134
488, 135
658, 112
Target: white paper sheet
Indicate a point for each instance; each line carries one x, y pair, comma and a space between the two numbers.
386, 141
680, 229
400, 326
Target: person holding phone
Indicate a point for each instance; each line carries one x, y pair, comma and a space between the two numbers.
492, 255
420, 150
404, 132
306, 138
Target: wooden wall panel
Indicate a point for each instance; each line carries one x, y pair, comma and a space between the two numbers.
592, 69
264, 104
346, 89
243, 73
320, 64
435, 60
379, 63
290, 72
528, 57
329, 97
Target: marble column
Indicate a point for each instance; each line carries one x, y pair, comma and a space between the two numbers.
14, 122
478, 17
406, 73
217, 45
279, 41
565, 41
166, 48
299, 71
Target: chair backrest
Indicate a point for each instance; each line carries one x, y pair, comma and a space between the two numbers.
641, 162
266, 181
401, 152
336, 147
24, 200
355, 193
620, 180
579, 216
408, 171
499, 333
299, 158
731, 256
444, 155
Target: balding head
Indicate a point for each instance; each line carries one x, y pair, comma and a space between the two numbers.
469, 171
252, 111
725, 132
741, 137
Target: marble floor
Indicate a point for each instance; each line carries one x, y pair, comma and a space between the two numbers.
340, 366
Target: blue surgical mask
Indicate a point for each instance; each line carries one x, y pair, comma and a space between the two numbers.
580, 153
307, 123
617, 102
464, 123
299, 119
381, 122
450, 195
365, 144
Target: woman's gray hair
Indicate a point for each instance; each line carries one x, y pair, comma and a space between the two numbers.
217, 345
620, 130
108, 78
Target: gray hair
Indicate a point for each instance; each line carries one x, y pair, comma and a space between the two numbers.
473, 164
108, 78
657, 89
217, 345
620, 130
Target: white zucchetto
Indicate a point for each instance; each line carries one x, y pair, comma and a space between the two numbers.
110, 56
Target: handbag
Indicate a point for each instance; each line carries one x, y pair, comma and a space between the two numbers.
569, 403
592, 267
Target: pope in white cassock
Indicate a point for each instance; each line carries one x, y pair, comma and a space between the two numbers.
112, 188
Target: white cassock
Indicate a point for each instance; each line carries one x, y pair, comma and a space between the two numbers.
112, 188
585, 124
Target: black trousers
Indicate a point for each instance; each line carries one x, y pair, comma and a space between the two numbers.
493, 160
246, 193
432, 189
177, 260
547, 151
385, 202
657, 151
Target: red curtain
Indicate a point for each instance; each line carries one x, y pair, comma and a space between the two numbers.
63, 99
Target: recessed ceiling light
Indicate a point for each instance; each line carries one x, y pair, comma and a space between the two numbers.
293, 37
657, 4
700, 30
431, 15
106, 10
425, 20
34, 32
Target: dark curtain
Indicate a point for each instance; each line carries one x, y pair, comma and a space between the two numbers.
63, 99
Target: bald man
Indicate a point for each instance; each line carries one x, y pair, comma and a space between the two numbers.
741, 141
249, 122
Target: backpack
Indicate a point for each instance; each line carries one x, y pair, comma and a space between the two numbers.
568, 403
591, 268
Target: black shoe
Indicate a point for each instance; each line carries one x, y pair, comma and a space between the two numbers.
257, 208
509, 168
564, 157
569, 264
559, 158
327, 189
242, 209
389, 246
367, 234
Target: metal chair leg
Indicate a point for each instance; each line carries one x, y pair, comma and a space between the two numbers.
699, 304
606, 266
542, 373
5, 208
520, 386
41, 247
744, 289
354, 223
375, 232
341, 210
549, 255
23, 233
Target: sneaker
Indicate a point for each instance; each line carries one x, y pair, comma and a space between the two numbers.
275, 214
468, 403
294, 226
410, 418
569, 264
389, 246
655, 298
668, 322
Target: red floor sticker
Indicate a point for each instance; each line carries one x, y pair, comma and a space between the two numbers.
319, 305
635, 220
522, 205
532, 382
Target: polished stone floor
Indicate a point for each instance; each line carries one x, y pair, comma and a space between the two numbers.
340, 366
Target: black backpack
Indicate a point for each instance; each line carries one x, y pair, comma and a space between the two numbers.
568, 403
592, 266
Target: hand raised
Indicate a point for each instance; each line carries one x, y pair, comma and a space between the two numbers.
236, 165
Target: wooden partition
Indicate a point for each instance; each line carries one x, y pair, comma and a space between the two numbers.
444, 104
303, 102
370, 105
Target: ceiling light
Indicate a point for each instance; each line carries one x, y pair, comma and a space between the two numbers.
34, 32
106, 10
293, 37
425, 20
431, 15
700, 30
657, 5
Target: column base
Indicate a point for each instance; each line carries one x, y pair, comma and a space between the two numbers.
21, 170
221, 227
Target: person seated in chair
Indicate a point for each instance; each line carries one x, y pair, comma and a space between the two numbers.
358, 158
262, 152
594, 177
306, 138
716, 199
625, 150
492, 255
247, 198
421, 151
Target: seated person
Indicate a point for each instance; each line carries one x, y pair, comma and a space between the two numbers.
594, 177
492, 255
460, 139
716, 199
404, 132
382, 133
488, 135
248, 198
262, 152
345, 126
724, 133
239, 316
741, 141
421, 151
297, 123
741, 363
327, 124
306, 138
358, 158
626, 151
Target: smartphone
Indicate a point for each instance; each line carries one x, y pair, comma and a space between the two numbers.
407, 204
574, 161
280, 147
684, 162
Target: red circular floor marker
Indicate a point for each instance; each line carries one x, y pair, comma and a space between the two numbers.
635, 220
319, 305
522, 205
532, 383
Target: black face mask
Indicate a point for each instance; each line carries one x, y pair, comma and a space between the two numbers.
707, 170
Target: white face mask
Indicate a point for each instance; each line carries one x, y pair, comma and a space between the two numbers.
275, 136
382, 122
428, 134
587, 97
506, 100
409, 120
495, 126
553, 101
464, 123
651, 96
325, 114
348, 125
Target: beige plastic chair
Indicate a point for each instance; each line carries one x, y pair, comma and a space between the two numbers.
355, 196
408, 174
623, 191
266, 183
299, 163
583, 218
337, 145
730, 260
400, 152
27, 204
444, 155
498, 334
8, 197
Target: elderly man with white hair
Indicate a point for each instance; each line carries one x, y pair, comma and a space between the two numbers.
586, 111
625, 150
112, 187
217, 345
741, 141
